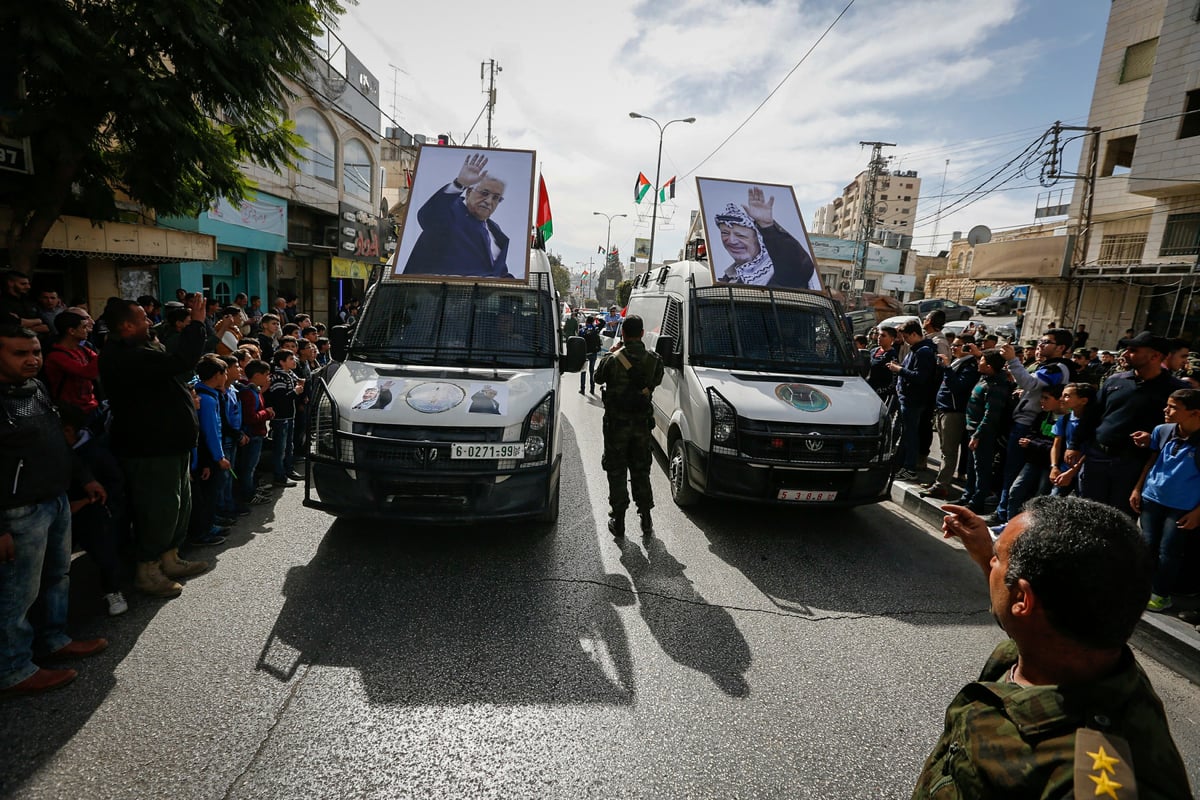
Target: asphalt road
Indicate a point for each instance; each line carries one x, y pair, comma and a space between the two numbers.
742, 652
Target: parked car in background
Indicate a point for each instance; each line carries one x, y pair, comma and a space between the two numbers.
861, 321
953, 310
1006, 331
1005, 301
959, 325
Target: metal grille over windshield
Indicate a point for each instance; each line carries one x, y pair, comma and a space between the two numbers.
458, 324
735, 328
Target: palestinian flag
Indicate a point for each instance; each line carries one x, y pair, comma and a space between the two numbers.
545, 220
667, 191
640, 188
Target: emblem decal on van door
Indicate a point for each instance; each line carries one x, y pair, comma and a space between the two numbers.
802, 396
434, 398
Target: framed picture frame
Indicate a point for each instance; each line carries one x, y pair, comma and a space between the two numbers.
469, 215
756, 235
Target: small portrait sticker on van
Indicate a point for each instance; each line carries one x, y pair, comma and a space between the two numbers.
802, 396
434, 398
487, 398
376, 396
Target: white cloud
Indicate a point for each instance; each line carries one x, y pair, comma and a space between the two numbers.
900, 71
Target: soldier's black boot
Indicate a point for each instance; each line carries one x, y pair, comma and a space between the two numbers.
647, 524
616, 526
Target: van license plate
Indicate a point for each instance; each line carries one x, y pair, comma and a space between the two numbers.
806, 496
488, 452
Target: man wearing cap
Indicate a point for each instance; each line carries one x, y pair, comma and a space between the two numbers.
611, 319
1086, 371
1128, 403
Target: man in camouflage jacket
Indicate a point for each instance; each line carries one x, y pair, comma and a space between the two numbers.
1062, 709
630, 373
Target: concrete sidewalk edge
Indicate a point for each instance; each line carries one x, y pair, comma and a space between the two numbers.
1166, 638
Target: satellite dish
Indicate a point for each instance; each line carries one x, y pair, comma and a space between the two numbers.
980, 234
880, 209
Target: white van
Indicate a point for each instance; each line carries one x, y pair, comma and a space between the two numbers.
762, 398
443, 403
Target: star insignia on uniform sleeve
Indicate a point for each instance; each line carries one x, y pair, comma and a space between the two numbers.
1105, 785
1103, 762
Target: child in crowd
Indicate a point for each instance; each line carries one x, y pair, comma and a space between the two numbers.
1073, 404
255, 416
281, 395
99, 528
1168, 493
1036, 445
232, 438
209, 463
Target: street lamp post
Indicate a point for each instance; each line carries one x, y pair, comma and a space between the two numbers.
608, 236
657, 176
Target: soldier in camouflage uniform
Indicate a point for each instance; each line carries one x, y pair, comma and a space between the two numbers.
629, 374
1062, 709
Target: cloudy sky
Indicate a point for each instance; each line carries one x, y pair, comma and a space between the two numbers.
972, 81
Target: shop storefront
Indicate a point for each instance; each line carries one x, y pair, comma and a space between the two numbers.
250, 236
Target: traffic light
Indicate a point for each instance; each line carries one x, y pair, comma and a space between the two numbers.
443, 138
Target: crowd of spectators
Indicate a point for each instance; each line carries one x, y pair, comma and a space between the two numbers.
1121, 427
136, 436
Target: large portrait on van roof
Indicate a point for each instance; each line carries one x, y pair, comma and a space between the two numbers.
756, 235
469, 214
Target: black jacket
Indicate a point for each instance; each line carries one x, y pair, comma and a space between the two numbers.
152, 410
36, 463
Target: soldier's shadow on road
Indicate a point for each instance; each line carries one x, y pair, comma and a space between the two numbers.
498, 613
689, 629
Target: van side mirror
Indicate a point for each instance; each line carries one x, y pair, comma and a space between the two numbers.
576, 355
339, 342
665, 347
864, 362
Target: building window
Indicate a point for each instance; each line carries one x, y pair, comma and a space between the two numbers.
1139, 60
1181, 236
319, 152
1191, 116
1118, 155
356, 170
908, 197
1122, 248
962, 257
869, 285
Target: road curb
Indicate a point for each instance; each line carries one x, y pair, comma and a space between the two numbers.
1165, 637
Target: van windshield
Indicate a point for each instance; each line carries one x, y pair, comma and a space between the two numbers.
458, 324
768, 331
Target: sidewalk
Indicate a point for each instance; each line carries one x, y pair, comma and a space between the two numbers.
1163, 636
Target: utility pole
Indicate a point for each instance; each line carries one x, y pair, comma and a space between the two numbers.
1051, 175
937, 220
866, 220
491, 67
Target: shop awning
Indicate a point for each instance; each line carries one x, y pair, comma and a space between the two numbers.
123, 241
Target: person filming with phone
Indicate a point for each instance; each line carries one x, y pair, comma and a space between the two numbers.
1063, 701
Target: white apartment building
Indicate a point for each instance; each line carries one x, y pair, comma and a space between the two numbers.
1134, 265
1145, 236
896, 196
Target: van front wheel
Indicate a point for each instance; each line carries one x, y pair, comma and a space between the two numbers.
681, 489
550, 515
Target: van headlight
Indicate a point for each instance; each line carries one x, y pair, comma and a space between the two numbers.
537, 432
724, 424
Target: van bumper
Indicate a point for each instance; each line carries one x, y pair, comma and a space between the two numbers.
456, 499
741, 479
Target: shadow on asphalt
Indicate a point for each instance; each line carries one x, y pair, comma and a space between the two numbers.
507, 614
864, 561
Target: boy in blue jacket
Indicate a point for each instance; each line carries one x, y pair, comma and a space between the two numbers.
210, 463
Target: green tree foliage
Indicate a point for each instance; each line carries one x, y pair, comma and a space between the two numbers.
562, 278
610, 271
150, 100
624, 290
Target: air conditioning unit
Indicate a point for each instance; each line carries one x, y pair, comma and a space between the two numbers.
331, 236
